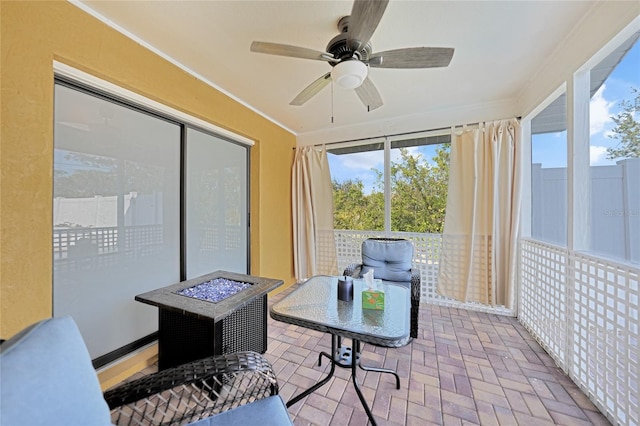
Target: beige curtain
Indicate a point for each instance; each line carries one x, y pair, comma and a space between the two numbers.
479, 242
313, 237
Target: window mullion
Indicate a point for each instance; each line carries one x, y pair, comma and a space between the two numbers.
387, 186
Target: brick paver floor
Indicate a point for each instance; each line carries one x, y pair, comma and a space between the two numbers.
465, 368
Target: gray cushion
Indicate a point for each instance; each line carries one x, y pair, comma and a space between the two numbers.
46, 378
390, 260
269, 411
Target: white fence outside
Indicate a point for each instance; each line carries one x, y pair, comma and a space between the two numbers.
615, 208
102, 212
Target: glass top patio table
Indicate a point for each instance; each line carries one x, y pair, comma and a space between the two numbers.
315, 305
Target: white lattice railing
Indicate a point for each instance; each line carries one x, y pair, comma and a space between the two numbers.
584, 311
426, 257
543, 308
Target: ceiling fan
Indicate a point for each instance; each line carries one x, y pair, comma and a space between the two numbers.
350, 55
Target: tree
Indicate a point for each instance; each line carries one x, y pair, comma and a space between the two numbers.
105, 176
418, 196
355, 210
419, 192
627, 130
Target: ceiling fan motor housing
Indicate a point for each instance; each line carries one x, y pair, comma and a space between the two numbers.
340, 50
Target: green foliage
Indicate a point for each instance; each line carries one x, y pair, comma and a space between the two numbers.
627, 130
85, 184
105, 176
354, 210
418, 196
419, 192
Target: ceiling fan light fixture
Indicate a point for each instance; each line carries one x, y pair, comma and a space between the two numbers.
349, 74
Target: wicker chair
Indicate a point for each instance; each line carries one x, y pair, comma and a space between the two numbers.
391, 261
194, 391
46, 377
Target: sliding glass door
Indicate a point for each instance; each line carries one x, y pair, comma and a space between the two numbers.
141, 201
216, 206
116, 216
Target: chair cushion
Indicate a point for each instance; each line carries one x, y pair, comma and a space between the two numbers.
390, 259
269, 411
46, 378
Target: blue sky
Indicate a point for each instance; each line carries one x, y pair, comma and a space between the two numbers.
359, 165
548, 149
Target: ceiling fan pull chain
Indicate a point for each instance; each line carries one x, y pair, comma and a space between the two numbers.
331, 101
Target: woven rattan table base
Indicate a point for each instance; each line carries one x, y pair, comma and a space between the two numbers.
184, 338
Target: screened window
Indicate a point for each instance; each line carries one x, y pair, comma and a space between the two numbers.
404, 191
549, 173
419, 178
358, 188
614, 147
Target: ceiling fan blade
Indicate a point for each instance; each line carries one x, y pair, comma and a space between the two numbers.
311, 90
369, 95
412, 57
365, 17
292, 51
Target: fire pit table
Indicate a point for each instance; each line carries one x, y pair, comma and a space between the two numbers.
214, 314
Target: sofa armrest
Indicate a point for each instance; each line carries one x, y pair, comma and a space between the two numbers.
46, 377
193, 391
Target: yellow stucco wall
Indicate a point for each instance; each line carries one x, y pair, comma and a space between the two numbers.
33, 35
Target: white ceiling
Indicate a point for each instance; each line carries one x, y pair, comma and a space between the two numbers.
499, 46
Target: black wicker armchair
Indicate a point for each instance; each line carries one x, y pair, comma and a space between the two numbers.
47, 378
391, 260
195, 391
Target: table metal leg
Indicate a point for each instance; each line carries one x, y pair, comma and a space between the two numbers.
354, 364
346, 357
323, 381
383, 370
357, 348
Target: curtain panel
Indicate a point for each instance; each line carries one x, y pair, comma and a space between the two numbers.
312, 196
479, 242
